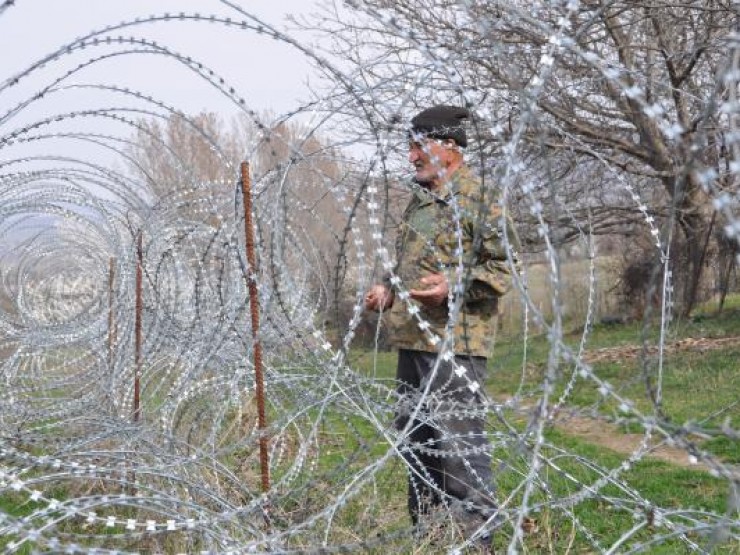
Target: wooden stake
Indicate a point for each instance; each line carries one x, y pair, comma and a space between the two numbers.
254, 310
137, 330
111, 319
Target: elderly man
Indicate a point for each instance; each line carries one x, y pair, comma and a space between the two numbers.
451, 268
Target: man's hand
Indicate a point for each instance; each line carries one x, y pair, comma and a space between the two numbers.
435, 291
379, 298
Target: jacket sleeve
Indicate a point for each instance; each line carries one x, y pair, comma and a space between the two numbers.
487, 271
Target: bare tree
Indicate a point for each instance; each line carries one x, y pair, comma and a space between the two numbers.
189, 163
307, 196
628, 89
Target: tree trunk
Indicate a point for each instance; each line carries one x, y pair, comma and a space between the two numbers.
697, 240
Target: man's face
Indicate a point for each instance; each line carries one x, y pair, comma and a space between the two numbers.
430, 158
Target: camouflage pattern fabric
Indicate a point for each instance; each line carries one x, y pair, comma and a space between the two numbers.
428, 239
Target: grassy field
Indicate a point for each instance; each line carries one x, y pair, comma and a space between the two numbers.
698, 387
699, 391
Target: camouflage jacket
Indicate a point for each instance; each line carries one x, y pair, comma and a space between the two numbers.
462, 214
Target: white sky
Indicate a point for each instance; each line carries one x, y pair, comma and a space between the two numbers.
271, 76
267, 73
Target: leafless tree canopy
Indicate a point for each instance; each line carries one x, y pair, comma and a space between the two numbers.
604, 100
132, 414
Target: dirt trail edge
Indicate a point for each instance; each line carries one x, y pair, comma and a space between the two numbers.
608, 435
605, 434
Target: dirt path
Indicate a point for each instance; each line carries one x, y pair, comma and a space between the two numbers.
605, 434
622, 353
608, 435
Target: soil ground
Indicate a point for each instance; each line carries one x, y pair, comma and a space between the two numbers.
608, 435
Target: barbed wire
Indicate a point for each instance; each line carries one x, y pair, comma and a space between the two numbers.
80, 474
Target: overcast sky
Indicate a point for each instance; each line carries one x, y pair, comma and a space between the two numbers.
267, 73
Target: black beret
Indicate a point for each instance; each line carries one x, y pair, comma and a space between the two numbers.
442, 122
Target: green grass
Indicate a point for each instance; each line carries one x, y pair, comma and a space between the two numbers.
723, 447
695, 385
698, 389
18, 505
611, 511
379, 507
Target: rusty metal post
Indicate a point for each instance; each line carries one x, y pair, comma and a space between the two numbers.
254, 310
111, 318
137, 330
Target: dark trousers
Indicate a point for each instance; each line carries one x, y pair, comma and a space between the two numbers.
447, 449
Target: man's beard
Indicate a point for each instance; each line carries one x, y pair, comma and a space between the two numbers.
424, 183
